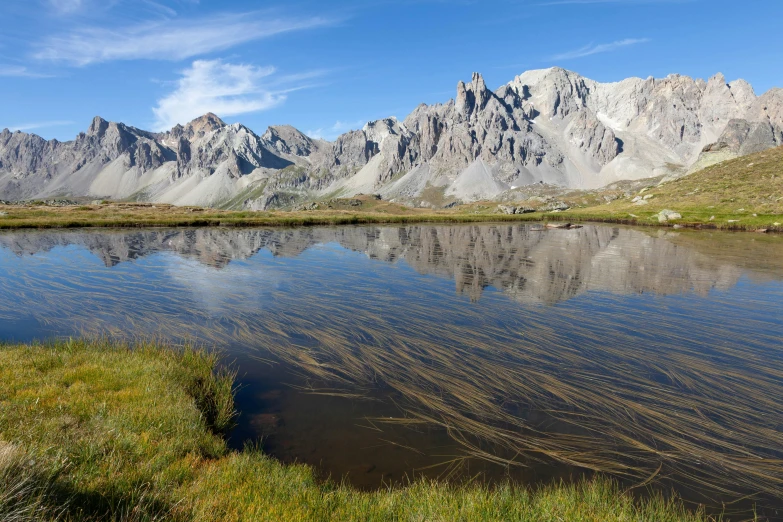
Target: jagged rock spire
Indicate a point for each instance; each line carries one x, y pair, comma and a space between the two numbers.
472, 97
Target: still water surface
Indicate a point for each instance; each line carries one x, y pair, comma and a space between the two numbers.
479, 352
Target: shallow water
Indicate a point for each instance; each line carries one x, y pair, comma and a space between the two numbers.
470, 352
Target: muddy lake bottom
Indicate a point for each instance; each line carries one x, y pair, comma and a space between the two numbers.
486, 352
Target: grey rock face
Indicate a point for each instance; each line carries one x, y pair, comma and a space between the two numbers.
552, 126
593, 138
768, 107
743, 137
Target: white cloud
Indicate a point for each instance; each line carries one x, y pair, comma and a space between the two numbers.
339, 127
599, 48
66, 6
39, 125
222, 88
165, 40
19, 71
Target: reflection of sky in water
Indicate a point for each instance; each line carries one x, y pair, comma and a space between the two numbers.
243, 285
69, 289
615, 331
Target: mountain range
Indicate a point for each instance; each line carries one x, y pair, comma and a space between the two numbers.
548, 126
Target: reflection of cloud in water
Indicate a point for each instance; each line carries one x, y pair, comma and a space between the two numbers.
224, 291
688, 385
528, 265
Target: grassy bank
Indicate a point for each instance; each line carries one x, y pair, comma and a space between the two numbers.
741, 194
99, 431
148, 215
134, 215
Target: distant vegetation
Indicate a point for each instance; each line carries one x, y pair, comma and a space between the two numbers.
101, 431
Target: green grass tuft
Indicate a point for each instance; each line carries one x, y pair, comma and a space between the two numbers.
95, 430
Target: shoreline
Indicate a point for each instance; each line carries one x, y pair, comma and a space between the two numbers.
143, 216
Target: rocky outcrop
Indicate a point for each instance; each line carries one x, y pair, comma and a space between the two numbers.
742, 137
547, 126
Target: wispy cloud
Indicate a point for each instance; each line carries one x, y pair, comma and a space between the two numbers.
66, 6
339, 127
225, 89
166, 40
159, 8
39, 125
19, 71
623, 2
591, 49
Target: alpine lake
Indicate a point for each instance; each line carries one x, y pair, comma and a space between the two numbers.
491, 352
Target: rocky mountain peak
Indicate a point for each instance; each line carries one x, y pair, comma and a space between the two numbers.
286, 139
98, 127
378, 130
204, 124
556, 92
472, 97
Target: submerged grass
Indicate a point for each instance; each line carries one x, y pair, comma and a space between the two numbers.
684, 395
95, 430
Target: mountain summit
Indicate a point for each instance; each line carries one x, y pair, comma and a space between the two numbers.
551, 125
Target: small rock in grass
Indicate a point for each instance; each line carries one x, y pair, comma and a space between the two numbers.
668, 215
712, 218
508, 209
733, 221
554, 205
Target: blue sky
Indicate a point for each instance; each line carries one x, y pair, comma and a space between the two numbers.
326, 67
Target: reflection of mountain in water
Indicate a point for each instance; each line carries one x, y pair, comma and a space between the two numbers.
526, 263
690, 393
